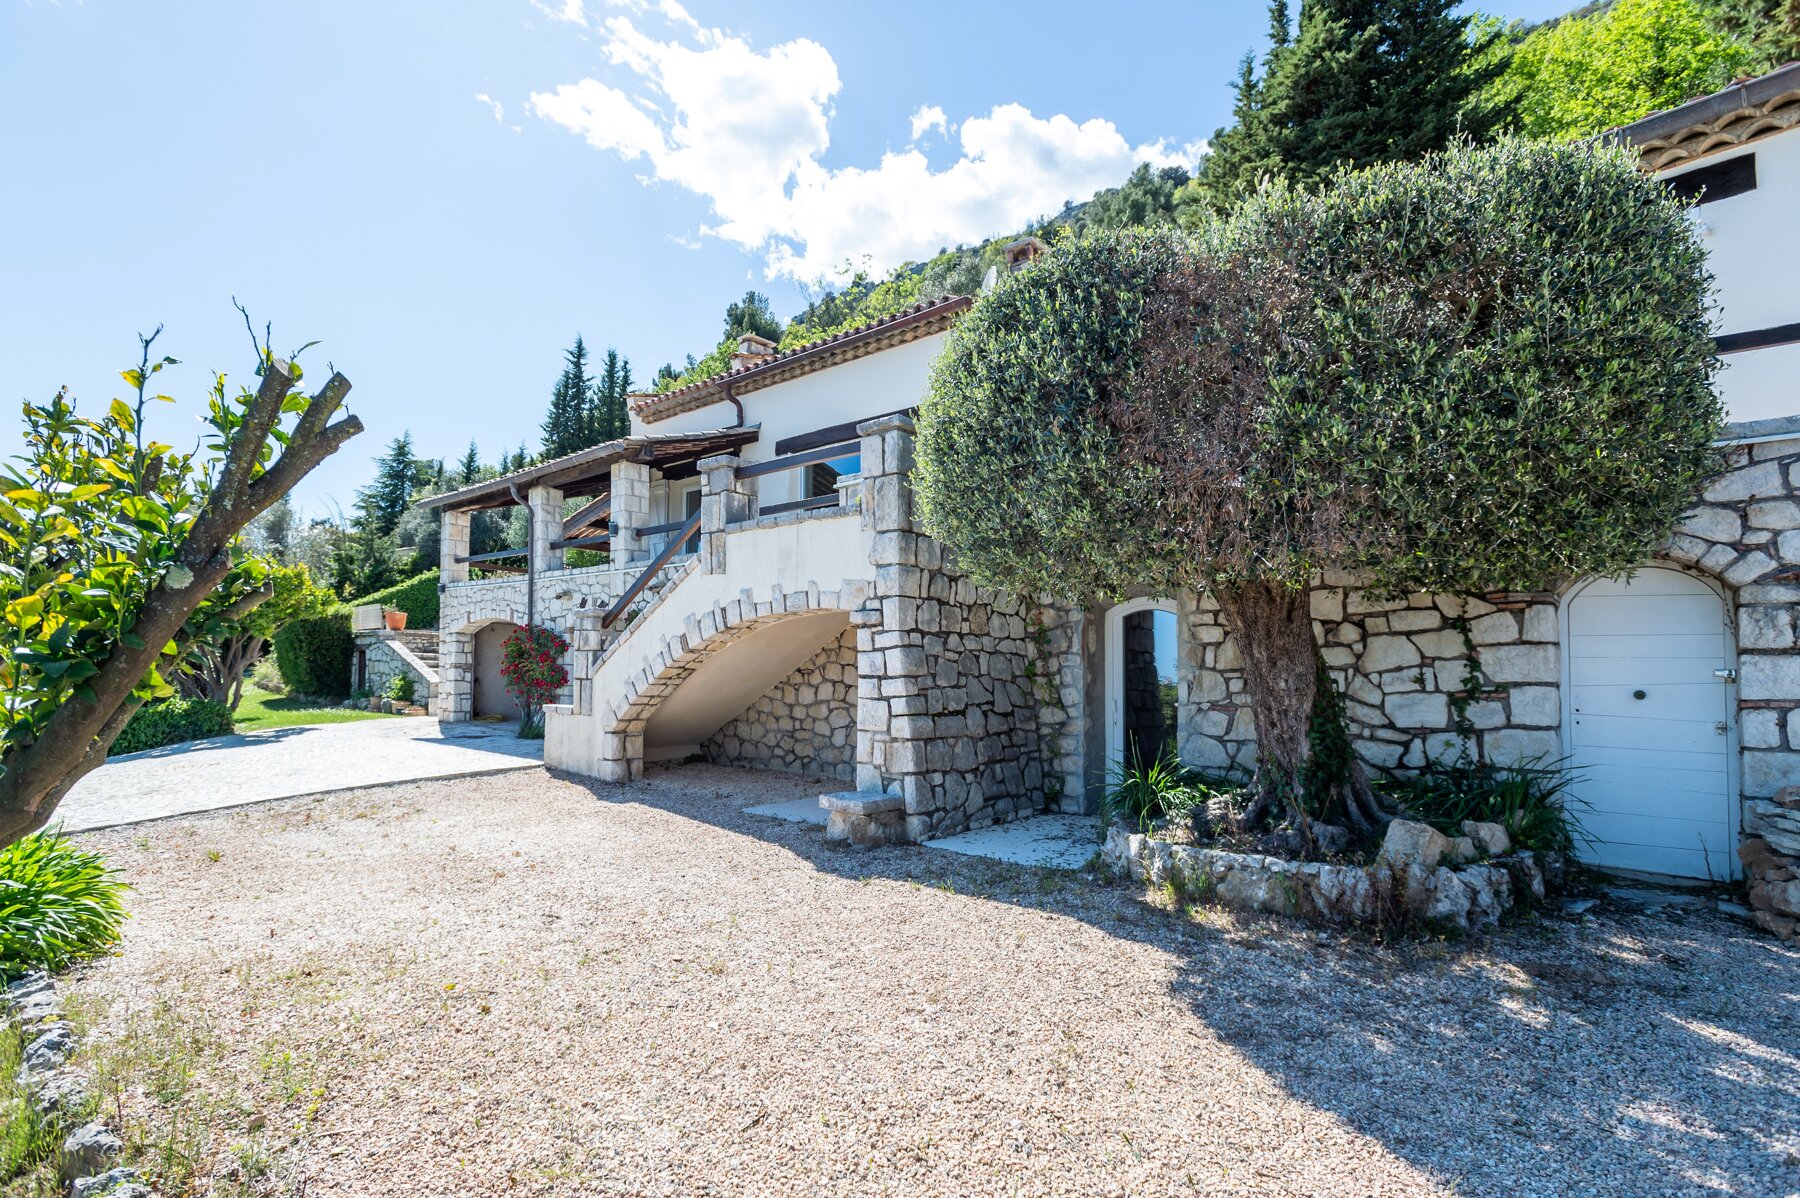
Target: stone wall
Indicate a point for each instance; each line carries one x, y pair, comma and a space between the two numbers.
1425, 679
948, 707
806, 723
388, 656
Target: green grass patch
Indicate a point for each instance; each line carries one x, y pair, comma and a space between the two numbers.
261, 709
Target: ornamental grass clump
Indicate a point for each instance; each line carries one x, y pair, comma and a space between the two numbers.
531, 664
1486, 370
58, 904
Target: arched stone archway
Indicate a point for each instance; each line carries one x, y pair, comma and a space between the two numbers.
692, 682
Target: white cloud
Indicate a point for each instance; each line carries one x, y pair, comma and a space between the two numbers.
497, 109
569, 10
929, 117
747, 130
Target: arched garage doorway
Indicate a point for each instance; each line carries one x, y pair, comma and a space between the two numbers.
1651, 724
1141, 693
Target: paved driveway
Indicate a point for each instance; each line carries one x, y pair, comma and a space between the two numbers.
284, 763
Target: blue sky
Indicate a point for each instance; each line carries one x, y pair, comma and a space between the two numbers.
445, 193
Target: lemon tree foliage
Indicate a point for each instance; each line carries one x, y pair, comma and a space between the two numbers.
120, 553
1488, 369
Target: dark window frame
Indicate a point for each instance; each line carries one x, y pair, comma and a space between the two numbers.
1718, 181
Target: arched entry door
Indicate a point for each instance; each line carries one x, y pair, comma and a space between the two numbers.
1140, 682
1651, 725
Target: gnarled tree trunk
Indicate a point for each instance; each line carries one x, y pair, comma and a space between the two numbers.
1272, 627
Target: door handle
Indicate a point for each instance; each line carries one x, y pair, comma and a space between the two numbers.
1725, 675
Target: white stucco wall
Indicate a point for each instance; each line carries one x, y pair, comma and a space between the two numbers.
1754, 255
880, 383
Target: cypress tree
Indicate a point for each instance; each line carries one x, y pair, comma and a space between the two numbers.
399, 475
470, 466
608, 416
565, 424
1364, 81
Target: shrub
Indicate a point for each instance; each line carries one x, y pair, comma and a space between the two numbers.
57, 904
400, 688
1530, 800
531, 663
266, 675
416, 596
1140, 794
314, 654
171, 723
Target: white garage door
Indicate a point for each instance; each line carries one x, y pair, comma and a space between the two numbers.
1650, 724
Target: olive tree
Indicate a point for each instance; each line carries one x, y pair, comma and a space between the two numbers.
110, 544
1490, 369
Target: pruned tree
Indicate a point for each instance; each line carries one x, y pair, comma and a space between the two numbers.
110, 544
1489, 370
231, 631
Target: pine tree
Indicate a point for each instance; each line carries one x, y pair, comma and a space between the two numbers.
565, 425
469, 467
752, 315
399, 475
1364, 81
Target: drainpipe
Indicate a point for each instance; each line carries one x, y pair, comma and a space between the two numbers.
735, 402
530, 559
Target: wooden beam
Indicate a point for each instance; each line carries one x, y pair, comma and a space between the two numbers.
582, 543
1737, 343
794, 461
591, 513
796, 505
496, 556
835, 435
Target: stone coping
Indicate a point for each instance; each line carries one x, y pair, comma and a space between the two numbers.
798, 516
854, 802
1463, 897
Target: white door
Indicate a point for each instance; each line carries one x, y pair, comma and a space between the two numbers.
1651, 724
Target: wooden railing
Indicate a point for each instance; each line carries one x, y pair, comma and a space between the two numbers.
685, 530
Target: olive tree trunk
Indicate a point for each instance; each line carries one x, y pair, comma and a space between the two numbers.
1283, 672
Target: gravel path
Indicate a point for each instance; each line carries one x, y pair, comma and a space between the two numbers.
518, 985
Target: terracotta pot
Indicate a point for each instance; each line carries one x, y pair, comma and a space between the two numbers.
396, 620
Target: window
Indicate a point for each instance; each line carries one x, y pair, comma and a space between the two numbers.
1717, 182
690, 503
822, 477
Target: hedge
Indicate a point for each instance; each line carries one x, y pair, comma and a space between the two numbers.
313, 655
172, 722
416, 596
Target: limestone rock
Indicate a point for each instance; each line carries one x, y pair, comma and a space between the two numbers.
54, 1045
1489, 838
114, 1183
1527, 878
89, 1150
1462, 850
1409, 842
1446, 898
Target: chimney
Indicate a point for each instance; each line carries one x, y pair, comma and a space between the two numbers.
1023, 252
751, 350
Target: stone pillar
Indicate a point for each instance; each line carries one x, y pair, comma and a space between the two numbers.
452, 544
455, 695
630, 511
545, 505
894, 729
725, 499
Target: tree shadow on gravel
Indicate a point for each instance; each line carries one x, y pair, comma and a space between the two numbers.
1619, 1054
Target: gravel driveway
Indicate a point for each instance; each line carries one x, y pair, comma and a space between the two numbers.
516, 984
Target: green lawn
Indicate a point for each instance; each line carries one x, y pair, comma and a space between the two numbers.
260, 709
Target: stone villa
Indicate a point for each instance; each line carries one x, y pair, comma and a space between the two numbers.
769, 601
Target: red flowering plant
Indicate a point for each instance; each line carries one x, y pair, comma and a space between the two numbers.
531, 663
